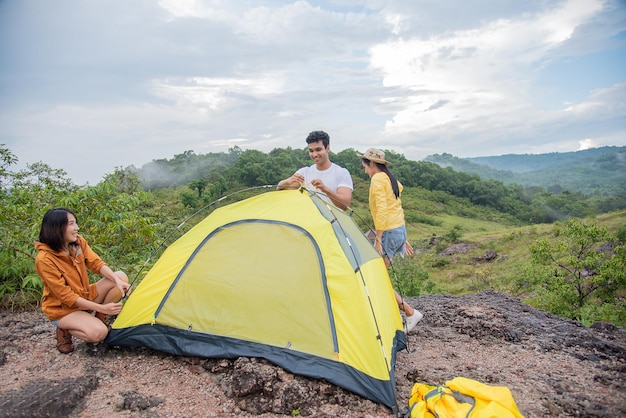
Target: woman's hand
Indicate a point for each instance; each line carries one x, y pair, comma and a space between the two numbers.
408, 248
379, 247
112, 308
123, 286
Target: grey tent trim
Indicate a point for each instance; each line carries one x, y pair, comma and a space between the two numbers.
189, 343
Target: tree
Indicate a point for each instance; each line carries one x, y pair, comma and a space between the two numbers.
7, 159
199, 185
250, 167
583, 272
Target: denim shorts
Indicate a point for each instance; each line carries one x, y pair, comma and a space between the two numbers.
55, 323
393, 241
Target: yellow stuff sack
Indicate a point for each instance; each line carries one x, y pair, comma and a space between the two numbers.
462, 397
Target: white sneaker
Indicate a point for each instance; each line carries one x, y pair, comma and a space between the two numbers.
412, 320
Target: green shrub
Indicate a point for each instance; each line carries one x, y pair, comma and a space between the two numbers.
528, 277
409, 279
416, 217
481, 279
614, 313
557, 296
440, 262
454, 234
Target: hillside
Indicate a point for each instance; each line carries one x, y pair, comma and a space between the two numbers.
523, 163
595, 171
488, 254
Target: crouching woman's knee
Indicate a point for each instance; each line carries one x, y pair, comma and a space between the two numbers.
97, 332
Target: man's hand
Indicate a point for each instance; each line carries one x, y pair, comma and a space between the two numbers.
294, 181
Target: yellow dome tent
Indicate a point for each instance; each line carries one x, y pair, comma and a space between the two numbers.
282, 276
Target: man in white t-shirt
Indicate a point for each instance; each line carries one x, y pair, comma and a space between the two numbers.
333, 182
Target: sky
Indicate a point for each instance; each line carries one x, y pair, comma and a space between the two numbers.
91, 86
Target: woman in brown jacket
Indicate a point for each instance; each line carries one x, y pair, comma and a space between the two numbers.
78, 308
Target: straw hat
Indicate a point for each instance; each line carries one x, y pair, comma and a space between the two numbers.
374, 154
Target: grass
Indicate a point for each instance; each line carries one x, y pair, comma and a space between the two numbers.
462, 273
20, 301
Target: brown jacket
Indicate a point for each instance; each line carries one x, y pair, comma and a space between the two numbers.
65, 277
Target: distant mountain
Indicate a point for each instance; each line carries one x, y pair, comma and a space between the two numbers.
594, 171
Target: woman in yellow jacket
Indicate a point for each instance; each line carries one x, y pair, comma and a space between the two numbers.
78, 308
388, 216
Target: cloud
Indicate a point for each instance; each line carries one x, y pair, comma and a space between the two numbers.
587, 144
118, 83
478, 83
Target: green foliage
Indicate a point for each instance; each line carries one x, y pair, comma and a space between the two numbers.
603, 312
115, 220
454, 234
440, 262
416, 217
7, 287
583, 273
7, 159
572, 251
114, 216
199, 185
528, 276
220, 172
620, 234
20, 300
557, 297
23, 194
32, 283
409, 278
189, 199
596, 171
481, 279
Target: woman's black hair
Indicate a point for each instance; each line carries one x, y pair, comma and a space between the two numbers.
392, 178
53, 226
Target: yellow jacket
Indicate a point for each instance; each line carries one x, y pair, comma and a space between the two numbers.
65, 277
386, 210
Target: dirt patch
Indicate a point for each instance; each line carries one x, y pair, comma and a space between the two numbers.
554, 367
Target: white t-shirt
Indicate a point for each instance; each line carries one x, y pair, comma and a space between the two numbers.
333, 177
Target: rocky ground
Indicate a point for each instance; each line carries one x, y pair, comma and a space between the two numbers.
553, 367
